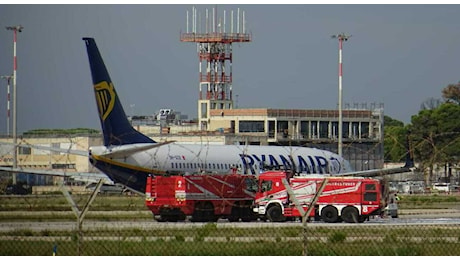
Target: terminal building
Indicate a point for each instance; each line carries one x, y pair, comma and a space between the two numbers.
362, 133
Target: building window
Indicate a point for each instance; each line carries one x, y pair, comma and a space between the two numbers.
25, 150
345, 130
304, 129
323, 129
63, 166
252, 126
364, 129
271, 129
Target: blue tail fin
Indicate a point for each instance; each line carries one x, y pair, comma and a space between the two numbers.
115, 125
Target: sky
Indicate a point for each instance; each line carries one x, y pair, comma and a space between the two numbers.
398, 56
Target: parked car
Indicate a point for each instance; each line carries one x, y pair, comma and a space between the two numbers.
106, 188
18, 189
441, 186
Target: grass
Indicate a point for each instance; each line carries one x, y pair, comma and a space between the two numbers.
179, 246
211, 239
429, 201
59, 203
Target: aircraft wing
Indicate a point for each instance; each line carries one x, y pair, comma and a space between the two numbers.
48, 148
409, 166
88, 177
33, 171
377, 172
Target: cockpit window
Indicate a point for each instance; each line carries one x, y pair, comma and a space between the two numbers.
251, 185
265, 186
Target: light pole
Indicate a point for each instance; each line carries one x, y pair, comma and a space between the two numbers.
342, 37
8, 78
15, 29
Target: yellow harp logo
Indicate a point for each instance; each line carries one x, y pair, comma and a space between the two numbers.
105, 98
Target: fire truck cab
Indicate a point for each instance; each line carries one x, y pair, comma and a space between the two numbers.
349, 199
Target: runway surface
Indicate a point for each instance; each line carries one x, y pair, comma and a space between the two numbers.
406, 218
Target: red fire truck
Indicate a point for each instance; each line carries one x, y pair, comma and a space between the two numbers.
204, 197
351, 199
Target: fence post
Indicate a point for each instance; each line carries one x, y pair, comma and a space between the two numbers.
80, 215
299, 207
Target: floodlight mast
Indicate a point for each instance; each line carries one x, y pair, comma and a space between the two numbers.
15, 29
8, 78
341, 37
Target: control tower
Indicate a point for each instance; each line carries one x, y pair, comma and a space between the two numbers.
214, 38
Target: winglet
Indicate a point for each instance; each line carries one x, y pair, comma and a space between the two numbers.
409, 156
116, 128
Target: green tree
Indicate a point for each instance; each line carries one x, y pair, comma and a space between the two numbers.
451, 93
74, 131
394, 144
436, 136
430, 103
388, 121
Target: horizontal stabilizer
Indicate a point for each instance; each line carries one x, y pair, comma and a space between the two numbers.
127, 150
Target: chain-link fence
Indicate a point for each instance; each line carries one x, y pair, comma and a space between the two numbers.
121, 225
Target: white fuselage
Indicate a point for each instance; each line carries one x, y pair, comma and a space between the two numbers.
192, 158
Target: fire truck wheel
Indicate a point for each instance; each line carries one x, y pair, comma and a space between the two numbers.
208, 213
350, 215
275, 214
158, 218
198, 213
329, 214
317, 216
247, 215
172, 218
204, 212
235, 214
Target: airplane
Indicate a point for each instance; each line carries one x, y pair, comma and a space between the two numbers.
128, 157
